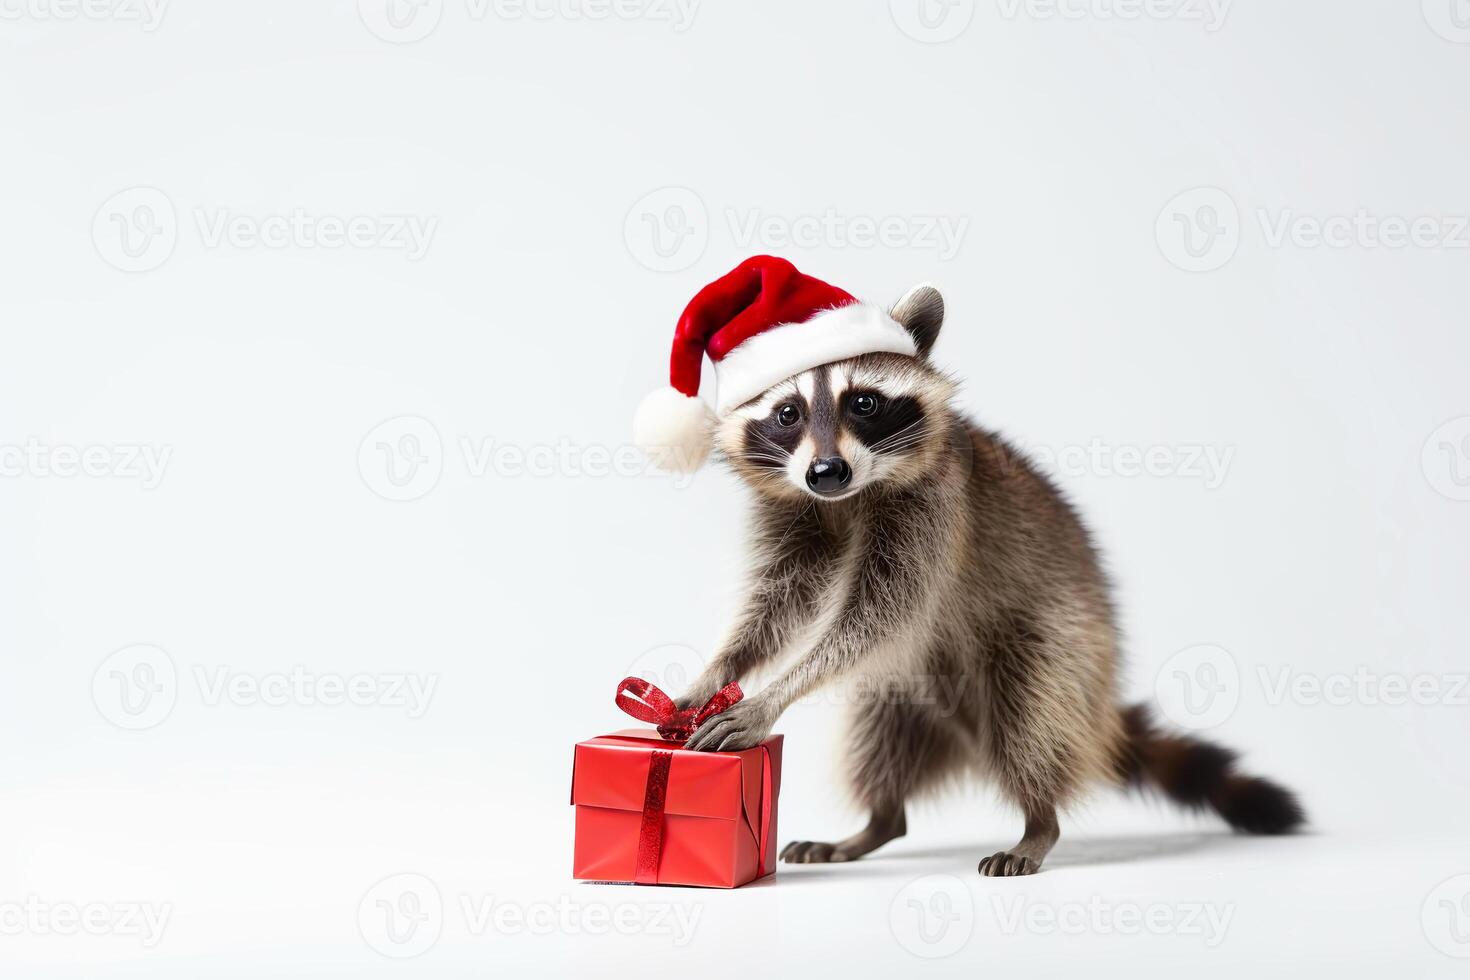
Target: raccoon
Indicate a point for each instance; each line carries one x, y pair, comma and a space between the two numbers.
896, 540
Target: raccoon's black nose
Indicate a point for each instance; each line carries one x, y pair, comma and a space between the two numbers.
829, 474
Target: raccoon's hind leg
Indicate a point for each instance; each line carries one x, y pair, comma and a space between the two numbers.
897, 748
1048, 725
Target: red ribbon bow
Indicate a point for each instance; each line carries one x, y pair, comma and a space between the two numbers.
646, 702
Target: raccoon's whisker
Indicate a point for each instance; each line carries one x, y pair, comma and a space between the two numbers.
898, 437
906, 429
895, 436
901, 444
767, 440
900, 441
889, 452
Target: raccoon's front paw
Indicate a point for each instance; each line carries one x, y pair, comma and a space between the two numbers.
1004, 864
740, 726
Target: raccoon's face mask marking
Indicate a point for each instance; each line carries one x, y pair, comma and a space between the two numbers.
835, 430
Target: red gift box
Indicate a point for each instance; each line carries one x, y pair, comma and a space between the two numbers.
650, 812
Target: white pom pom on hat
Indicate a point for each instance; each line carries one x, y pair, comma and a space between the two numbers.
674, 429
759, 324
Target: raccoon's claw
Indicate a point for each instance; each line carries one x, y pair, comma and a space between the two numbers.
1004, 864
812, 852
740, 726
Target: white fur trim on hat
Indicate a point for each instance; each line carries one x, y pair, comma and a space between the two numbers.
789, 349
674, 430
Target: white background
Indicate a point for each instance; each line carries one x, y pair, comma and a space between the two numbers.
577, 178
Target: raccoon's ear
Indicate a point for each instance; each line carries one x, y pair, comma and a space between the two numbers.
921, 313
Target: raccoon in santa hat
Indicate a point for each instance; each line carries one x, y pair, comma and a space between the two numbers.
895, 540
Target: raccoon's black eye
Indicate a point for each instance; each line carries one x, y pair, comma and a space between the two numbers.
788, 415
865, 406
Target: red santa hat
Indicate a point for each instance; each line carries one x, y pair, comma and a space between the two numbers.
759, 324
